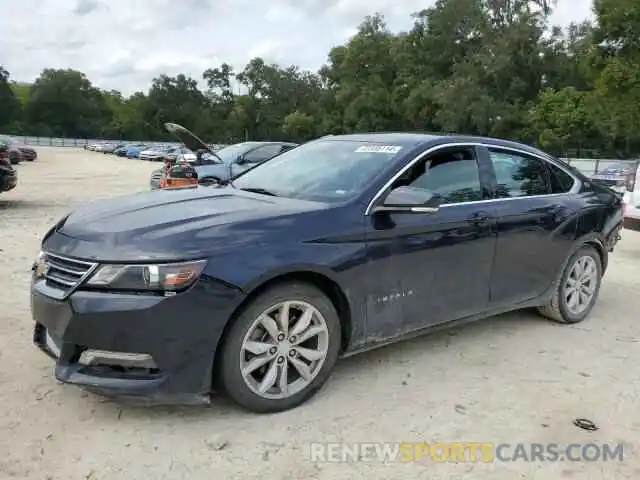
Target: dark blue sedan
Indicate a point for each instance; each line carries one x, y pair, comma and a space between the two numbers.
345, 243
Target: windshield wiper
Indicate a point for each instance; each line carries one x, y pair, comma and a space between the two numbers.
262, 191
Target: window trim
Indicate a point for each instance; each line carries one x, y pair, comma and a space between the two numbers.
574, 188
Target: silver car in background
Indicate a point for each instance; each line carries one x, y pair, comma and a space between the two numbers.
221, 165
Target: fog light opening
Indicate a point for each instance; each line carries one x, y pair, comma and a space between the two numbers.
123, 360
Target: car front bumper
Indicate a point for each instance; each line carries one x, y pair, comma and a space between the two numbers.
149, 349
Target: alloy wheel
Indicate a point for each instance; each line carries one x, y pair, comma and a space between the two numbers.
581, 284
284, 349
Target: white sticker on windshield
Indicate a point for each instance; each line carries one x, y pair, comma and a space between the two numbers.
393, 149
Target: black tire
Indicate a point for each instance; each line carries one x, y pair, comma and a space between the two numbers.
557, 309
207, 181
229, 359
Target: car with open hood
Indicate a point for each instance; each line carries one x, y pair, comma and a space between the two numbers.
220, 165
345, 243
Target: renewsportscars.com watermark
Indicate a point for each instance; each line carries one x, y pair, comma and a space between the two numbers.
465, 452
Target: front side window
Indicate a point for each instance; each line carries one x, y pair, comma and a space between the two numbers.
232, 152
323, 170
519, 175
452, 174
261, 154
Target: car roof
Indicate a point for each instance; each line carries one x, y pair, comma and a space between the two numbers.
431, 139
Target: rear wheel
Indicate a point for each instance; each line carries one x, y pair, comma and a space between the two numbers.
281, 349
578, 288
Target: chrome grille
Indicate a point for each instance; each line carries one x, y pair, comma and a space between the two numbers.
65, 273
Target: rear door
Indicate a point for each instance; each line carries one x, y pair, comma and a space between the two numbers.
536, 224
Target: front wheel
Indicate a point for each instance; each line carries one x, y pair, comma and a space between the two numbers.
281, 349
578, 288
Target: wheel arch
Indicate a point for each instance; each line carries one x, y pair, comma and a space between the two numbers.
321, 281
596, 242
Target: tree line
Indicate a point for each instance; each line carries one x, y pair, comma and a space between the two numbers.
485, 67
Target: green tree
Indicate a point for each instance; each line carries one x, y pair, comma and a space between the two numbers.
64, 103
299, 126
10, 107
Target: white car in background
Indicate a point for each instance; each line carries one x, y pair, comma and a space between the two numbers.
155, 153
100, 146
632, 193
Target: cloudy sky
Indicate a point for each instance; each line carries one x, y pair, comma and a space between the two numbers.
123, 44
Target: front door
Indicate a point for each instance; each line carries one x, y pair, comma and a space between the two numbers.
427, 269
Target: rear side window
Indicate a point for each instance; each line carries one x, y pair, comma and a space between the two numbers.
519, 175
561, 181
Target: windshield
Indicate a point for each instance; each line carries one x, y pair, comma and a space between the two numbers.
232, 152
324, 170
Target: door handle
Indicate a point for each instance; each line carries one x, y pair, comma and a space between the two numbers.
479, 218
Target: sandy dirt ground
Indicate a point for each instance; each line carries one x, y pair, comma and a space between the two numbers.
515, 378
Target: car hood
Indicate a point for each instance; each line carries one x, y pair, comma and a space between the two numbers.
173, 224
189, 139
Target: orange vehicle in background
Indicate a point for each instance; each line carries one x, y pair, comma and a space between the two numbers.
178, 175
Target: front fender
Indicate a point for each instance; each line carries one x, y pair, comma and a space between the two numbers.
340, 263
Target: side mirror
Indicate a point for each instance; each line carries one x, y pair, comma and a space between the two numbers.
241, 160
410, 200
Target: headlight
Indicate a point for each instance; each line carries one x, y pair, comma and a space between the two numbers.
163, 277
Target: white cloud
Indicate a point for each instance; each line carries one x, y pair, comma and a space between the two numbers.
123, 44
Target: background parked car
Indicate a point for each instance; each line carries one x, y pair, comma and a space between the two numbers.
112, 147
120, 151
614, 175
131, 151
8, 175
177, 153
224, 164
18, 152
155, 153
